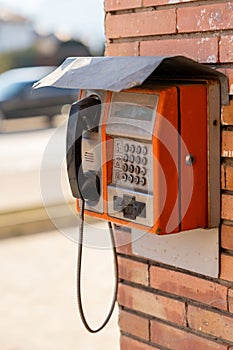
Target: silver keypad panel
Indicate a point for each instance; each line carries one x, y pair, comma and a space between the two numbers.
132, 164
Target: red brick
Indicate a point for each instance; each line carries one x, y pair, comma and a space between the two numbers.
227, 114
141, 24
226, 48
226, 271
230, 299
205, 18
178, 339
122, 49
229, 73
200, 49
133, 271
228, 170
134, 325
227, 176
188, 286
131, 344
123, 242
227, 144
227, 207
227, 237
152, 304
163, 2
210, 323
115, 5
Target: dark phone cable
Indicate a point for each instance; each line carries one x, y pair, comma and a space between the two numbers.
79, 265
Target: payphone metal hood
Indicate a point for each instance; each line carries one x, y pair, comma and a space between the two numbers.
123, 72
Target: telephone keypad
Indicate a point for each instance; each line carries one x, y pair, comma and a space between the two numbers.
118, 146
124, 167
143, 181
131, 158
118, 176
130, 178
118, 163
135, 158
137, 170
136, 180
131, 168
144, 161
124, 177
143, 171
132, 148
125, 158
144, 151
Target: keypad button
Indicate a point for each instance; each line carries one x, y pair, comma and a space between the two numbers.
144, 161
132, 148
117, 176
143, 181
131, 158
125, 158
131, 168
137, 170
138, 149
137, 159
130, 178
119, 146
136, 180
124, 167
118, 163
126, 147
144, 150
124, 177
143, 171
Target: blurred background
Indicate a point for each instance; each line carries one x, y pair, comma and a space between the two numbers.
38, 222
41, 32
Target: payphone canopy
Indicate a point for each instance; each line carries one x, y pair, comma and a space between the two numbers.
121, 73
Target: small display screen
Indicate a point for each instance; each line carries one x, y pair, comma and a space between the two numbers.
132, 111
136, 106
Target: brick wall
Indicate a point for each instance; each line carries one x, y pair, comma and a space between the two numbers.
162, 307
202, 30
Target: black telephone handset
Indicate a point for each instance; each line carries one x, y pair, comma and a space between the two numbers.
84, 116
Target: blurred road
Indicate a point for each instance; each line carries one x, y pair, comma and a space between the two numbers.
37, 305
37, 272
21, 155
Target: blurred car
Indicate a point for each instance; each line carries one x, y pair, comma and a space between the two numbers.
19, 100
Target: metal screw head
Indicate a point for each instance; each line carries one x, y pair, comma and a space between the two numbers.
189, 159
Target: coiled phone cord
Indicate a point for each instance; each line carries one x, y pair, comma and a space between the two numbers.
79, 265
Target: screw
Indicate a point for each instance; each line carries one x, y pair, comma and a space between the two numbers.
189, 159
158, 231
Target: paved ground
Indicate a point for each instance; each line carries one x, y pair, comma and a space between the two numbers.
37, 272
37, 304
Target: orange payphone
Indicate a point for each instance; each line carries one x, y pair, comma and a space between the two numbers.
138, 157
143, 144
